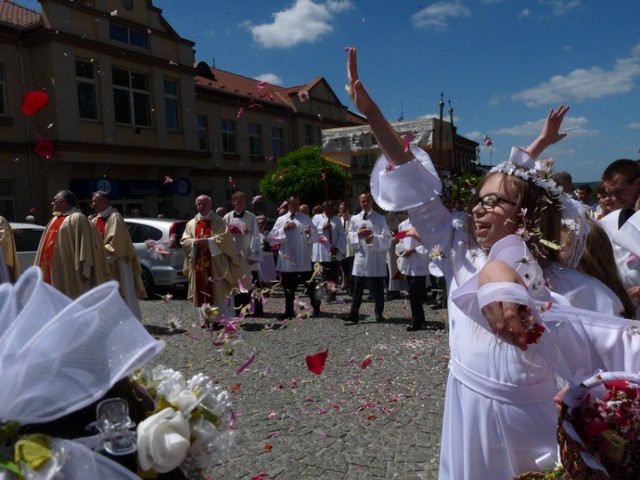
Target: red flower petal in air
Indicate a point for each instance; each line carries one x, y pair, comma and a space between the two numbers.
44, 147
315, 363
34, 101
401, 235
366, 362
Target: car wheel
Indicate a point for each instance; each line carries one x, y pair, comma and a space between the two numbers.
149, 285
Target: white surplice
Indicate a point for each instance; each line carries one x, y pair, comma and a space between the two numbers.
294, 252
370, 258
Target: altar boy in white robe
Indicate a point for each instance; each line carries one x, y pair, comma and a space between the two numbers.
370, 237
294, 232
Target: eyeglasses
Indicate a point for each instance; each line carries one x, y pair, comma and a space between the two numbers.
489, 201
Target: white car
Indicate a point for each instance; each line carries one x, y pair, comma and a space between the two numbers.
27, 236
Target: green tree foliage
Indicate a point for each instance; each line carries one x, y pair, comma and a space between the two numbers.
300, 173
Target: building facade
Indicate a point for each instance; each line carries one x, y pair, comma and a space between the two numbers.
130, 112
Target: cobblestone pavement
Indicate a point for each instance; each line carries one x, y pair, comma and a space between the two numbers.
382, 421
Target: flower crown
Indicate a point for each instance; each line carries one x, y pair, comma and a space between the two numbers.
538, 172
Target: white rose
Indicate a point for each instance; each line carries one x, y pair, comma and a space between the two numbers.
163, 441
184, 399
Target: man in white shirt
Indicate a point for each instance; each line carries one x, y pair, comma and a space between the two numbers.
294, 231
370, 237
413, 262
244, 227
330, 247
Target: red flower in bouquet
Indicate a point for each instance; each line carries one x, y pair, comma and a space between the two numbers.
534, 330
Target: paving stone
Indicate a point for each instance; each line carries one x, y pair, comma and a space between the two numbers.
348, 423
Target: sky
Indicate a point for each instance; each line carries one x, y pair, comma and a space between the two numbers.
503, 64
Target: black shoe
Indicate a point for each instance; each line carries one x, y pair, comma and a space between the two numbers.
284, 316
415, 326
379, 318
392, 296
351, 318
317, 312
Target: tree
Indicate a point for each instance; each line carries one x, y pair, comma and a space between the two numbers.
301, 173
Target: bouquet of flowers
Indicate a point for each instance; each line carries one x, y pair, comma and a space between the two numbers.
191, 426
599, 431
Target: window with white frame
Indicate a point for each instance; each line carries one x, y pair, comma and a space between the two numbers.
228, 136
132, 36
171, 104
277, 141
203, 134
255, 139
131, 97
87, 97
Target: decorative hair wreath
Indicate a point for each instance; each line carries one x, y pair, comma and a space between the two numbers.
536, 171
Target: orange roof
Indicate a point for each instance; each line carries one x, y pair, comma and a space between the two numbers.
243, 86
13, 14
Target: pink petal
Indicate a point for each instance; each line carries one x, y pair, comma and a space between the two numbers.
167, 180
246, 363
257, 198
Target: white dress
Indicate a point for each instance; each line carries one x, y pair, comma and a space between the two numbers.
499, 415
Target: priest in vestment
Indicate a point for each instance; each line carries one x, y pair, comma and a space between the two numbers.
210, 261
11, 264
70, 253
121, 254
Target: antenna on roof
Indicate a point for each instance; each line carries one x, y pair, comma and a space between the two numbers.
401, 117
213, 62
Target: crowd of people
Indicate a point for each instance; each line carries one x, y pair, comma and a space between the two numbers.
523, 319
528, 242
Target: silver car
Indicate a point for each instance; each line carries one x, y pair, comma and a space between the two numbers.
157, 244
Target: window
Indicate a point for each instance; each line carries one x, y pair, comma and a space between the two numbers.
86, 81
6, 199
203, 134
255, 139
120, 33
3, 93
228, 136
277, 142
131, 98
308, 134
171, 104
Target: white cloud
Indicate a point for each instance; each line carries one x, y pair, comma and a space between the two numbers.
437, 16
633, 125
305, 22
524, 13
271, 78
560, 7
574, 126
585, 84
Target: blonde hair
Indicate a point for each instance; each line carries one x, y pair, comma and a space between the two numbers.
598, 261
